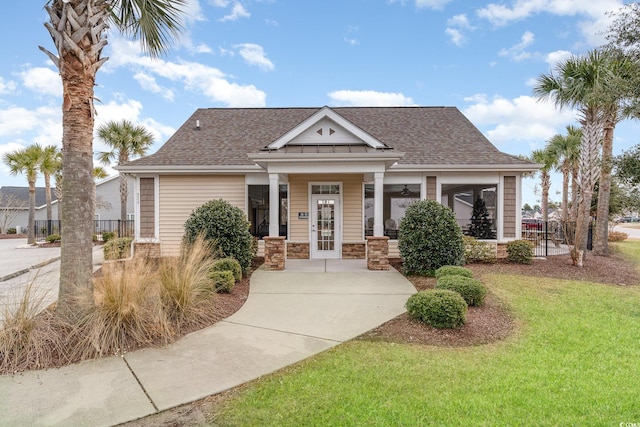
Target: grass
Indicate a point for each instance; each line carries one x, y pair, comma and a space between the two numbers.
573, 361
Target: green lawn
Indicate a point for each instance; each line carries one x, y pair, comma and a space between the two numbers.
575, 360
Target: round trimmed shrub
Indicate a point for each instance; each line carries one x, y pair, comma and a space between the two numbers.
11, 231
520, 252
430, 237
223, 281
117, 248
472, 290
226, 226
453, 270
108, 235
478, 251
228, 264
440, 308
53, 238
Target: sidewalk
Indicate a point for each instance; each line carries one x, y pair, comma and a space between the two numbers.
288, 317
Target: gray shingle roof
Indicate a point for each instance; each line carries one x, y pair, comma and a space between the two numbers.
427, 136
21, 194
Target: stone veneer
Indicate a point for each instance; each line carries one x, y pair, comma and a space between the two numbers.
297, 250
147, 250
274, 253
501, 251
378, 253
354, 250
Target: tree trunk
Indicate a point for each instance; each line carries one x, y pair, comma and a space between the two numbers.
565, 194
546, 183
601, 240
575, 194
47, 185
31, 233
78, 190
123, 198
588, 175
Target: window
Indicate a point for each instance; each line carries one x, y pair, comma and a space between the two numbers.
259, 209
396, 198
462, 197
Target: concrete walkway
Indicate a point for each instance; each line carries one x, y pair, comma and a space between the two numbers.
289, 316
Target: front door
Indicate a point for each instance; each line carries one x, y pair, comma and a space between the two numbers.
325, 226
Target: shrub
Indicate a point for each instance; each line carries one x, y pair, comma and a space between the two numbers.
185, 285
430, 237
520, 252
439, 308
28, 336
478, 251
117, 248
224, 225
127, 311
223, 280
453, 270
108, 235
53, 238
472, 290
229, 264
617, 236
11, 231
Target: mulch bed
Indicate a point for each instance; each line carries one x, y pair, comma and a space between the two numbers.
12, 236
492, 322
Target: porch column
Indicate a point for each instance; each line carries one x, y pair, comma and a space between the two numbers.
274, 196
378, 212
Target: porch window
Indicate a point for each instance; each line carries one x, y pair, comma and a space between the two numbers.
396, 198
461, 199
259, 210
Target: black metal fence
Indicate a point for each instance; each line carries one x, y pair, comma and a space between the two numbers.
552, 237
46, 228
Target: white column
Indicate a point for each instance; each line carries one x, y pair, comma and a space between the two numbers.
274, 196
378, 194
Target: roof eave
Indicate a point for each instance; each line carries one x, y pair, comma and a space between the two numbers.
464, 168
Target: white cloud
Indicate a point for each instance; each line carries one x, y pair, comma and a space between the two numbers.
455, 25
237, 11
556, 57
518, 51
16, 121
195, 77
149, 83
522, 120
42, 80
7, 86
220, 3
253, 54
432, 4
595, 22
369, 98
455, 36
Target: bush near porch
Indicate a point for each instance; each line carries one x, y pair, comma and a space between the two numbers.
430, 238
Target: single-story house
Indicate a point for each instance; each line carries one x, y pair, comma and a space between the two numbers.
16, 214
324, 182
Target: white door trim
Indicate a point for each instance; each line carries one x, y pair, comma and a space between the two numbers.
314, 252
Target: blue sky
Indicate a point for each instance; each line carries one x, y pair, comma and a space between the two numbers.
480, 56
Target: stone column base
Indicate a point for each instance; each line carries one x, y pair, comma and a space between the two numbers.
147, 250
378, 253
274, 253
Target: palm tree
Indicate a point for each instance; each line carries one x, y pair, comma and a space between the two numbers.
78, 30
127, 141
566, 149
546, 159
26, 161
578, 83
48, 166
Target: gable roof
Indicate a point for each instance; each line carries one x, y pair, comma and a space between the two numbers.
21, 195
428, 136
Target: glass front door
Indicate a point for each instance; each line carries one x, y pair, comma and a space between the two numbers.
325, 236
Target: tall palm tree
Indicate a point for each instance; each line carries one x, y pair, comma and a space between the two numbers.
126, 141
48, 166
26, 161
78, 30
547, 160
578, 83
566, 149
